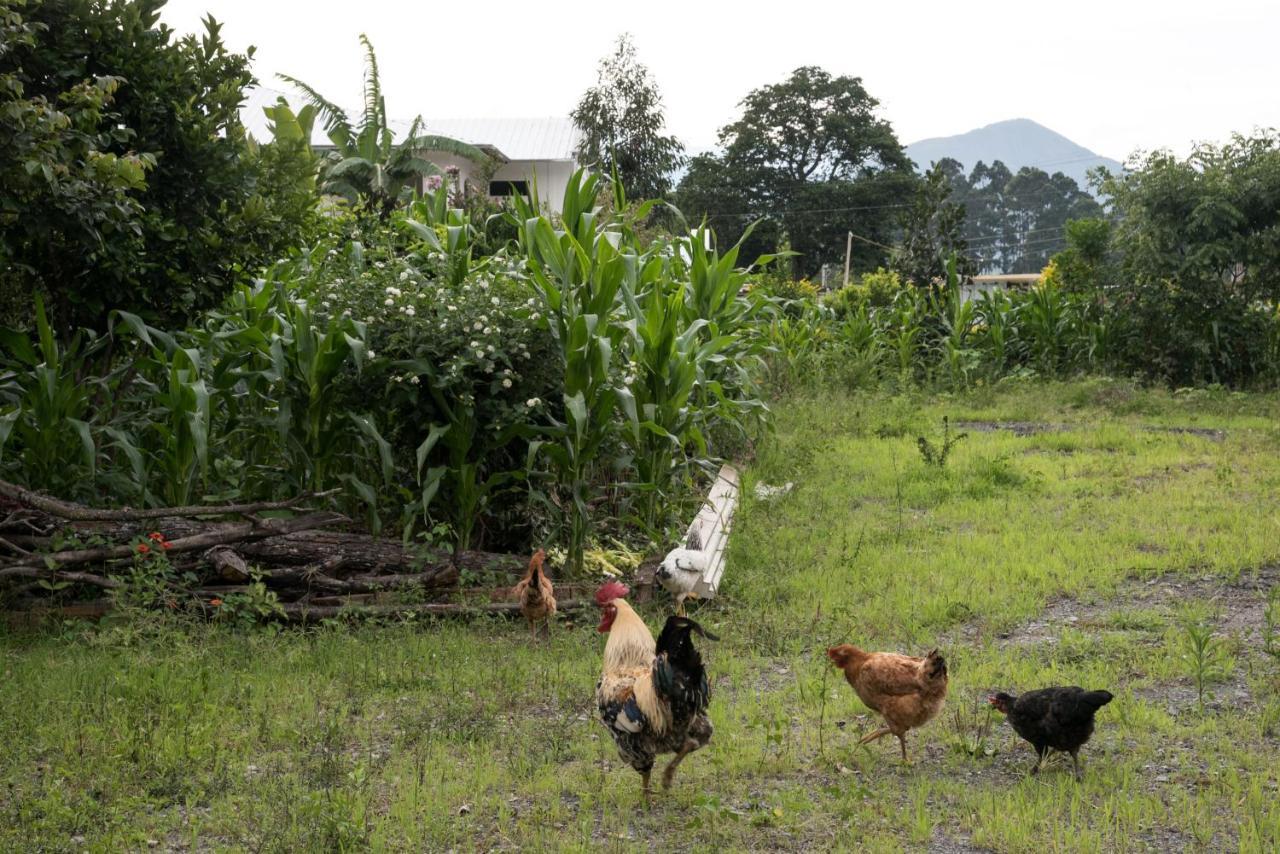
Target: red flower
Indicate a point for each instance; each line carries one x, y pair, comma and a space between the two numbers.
143, 548
215, 602
166, 545
156, 537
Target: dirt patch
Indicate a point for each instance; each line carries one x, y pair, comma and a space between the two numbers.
1032, 428
1240, 606
1017, 428
942, 843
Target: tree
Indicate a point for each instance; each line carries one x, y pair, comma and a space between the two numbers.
134, 184
621, 121
1083, 267
810, 154
366, 166
932, 232
1198, 240
1015, 222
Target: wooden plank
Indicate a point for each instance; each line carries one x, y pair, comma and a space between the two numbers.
711, 527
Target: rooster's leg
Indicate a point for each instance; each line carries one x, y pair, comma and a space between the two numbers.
669, 773
644, 785
1075, 762
902, 740
1039, 760
872, 736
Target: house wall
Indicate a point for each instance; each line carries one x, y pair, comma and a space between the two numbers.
444, 160
552, 177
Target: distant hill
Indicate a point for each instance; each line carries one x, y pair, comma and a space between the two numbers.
1017, 143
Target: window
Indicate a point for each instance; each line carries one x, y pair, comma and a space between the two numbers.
508, 188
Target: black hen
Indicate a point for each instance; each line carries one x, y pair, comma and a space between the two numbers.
1053, 719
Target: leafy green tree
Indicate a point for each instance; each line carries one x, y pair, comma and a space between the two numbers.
135, 185
1015, 222
621, 121
811, 154
1084, 266
1198, 240
366, 165
932, 232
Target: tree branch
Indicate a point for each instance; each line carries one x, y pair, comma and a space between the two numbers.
79, 513
229, 533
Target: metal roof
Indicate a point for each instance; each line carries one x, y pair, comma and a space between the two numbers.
1010, 277
545, 138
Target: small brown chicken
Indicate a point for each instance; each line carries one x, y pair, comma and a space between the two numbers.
907, 692
536, 596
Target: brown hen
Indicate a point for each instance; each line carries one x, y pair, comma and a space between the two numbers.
536, 596
907, 692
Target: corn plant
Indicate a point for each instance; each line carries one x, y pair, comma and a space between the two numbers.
1046, 323
661, 377
47, 406
995, 329
578, 273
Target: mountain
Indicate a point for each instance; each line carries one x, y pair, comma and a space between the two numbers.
1017, 143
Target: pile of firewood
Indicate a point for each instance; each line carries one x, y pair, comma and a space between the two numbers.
313, 560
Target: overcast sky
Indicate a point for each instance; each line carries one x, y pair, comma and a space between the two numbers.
1113, 76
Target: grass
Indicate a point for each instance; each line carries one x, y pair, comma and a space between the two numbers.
430, 736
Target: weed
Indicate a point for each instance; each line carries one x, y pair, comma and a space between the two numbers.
936, 455
1271, 624
1203, 654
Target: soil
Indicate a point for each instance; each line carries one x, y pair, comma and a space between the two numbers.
1240, 606
1032, 428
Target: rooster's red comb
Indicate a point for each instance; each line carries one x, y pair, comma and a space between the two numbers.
610, 591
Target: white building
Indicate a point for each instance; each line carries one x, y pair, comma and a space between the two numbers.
971, 289
526, 152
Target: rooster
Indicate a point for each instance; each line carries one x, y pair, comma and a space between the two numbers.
907, 692
652, 696
680, 572
1053, 718
536, 596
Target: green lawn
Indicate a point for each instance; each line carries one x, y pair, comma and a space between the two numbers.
1076, 554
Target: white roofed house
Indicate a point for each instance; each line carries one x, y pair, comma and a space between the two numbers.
524, 152
527, 153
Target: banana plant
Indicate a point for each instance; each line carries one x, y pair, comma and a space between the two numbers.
367, 166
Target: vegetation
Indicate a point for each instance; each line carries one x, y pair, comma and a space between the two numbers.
128, 179
437, 735
1198, 261
367, 167
812, 155
1013, 222
621, 121
184, 327
486, 401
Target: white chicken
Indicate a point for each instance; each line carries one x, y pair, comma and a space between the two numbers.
680, 572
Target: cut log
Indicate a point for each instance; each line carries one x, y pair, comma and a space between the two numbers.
362, 553
229, 565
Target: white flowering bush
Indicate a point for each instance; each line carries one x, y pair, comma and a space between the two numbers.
461, 373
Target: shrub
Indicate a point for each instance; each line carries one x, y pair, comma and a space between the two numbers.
148, 194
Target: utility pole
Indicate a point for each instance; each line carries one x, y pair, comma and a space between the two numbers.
848, 250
